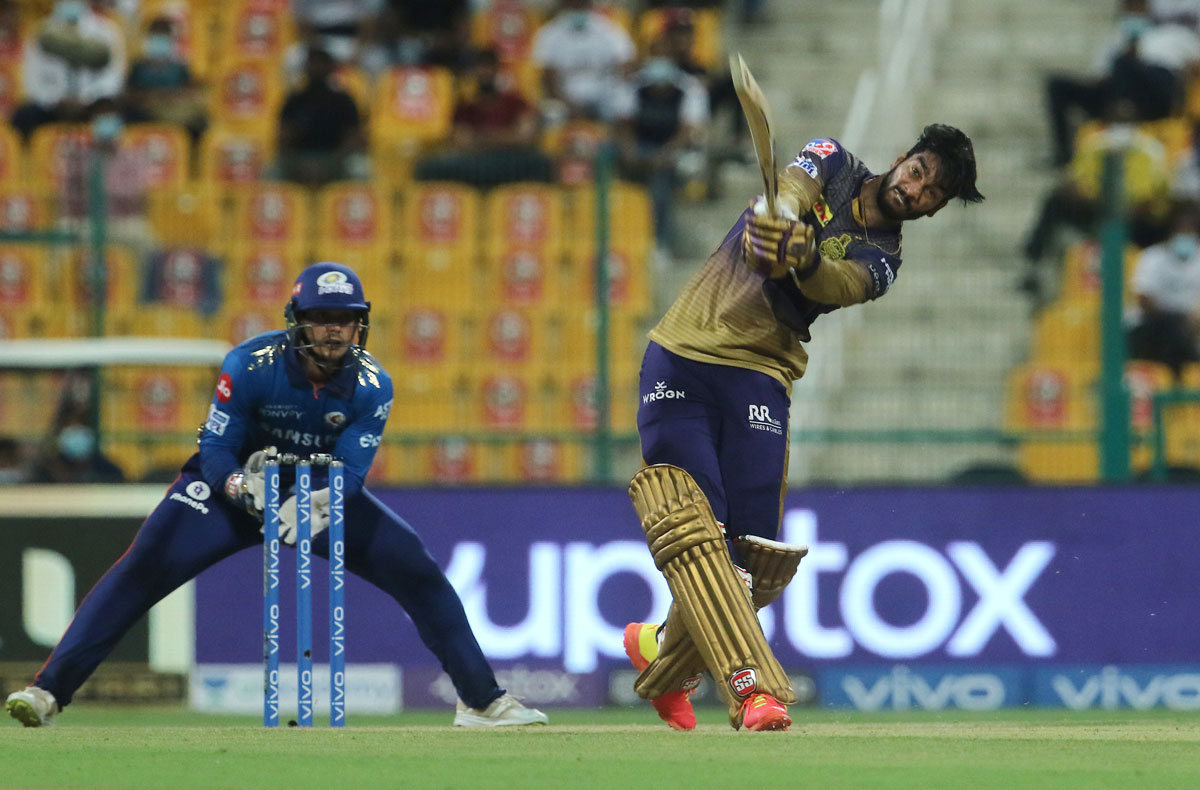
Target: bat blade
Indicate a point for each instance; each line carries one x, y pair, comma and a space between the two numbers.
758, 117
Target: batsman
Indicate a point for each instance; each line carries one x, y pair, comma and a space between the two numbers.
729, 348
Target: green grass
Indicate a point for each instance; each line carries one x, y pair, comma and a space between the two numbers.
104, 747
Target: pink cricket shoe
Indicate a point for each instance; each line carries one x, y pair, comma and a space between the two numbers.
675, 707
763, 712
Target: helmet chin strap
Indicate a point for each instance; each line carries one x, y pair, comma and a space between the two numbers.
305, 348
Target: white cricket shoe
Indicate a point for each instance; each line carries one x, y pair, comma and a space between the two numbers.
32, 706
504, 711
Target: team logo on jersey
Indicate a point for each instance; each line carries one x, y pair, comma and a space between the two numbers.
334, 283
834, 248
198, 490
822, 148
224, 388
821, 212
761, 420
807, 165
744, 682
335, 419
662, 392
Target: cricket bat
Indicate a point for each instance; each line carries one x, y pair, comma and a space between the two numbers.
758, 116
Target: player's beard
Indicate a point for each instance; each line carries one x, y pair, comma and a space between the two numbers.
886, 208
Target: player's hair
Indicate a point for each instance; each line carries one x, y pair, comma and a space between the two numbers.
957, 156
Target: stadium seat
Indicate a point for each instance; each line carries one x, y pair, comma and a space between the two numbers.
29, 322
510, 338
629, 289
169, 320
354, 224
1069, 332
706, 47
255, 30
427, 403
23, 208
271, 212
260, 275
25, 280
234, 157
450, 460
12, 167
356, 82
505, 400
121, 280
630, 216
542, 460
11, 93
575, 145
54, 148
1054, 397
1182, 423
412, 105
246, 95
506, 26
439, 243
1081, 271
573, 402
189, 214
146, 400
578, 344
526, 215
426, 338
521, 277
1144, 379
241, 322
164, 148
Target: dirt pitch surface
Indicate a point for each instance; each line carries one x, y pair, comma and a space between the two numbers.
93, 747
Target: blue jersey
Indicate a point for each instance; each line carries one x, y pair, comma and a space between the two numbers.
264, 399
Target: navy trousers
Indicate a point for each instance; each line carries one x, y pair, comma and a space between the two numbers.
724, 425
178, 541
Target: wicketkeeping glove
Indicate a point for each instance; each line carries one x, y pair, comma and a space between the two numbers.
248, 487
773, 245
320, 516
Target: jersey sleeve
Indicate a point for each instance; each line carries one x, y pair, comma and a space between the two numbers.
229, 414
358, 443
821, 159
882, 269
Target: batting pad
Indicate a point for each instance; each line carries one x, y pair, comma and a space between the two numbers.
710, 597
771, 565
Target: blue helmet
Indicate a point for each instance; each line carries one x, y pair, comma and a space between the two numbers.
327, 286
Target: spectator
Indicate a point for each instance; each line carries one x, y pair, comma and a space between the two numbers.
320, 132
1145, 66
1166, 282
160, 86
77, 56
126, 179
336, 26
13, 466
1076, 200
418, 32
661, 114
583, 56
494, 137
71, 455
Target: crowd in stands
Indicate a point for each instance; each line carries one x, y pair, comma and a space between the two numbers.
228, 137
1141, 103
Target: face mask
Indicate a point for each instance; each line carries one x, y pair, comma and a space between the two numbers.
107, 127
159, 47
1184, 244
577, 20
76, 442
659, 70
1133, 25
69, 10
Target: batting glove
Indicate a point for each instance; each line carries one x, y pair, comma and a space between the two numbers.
319, 502
774, 245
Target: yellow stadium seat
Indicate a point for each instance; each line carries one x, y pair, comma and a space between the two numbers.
1081, 271
121, 276
426, 338
1069, 332
55, 151
1174, 133
354, 215
12, 167
504, 400
524, 215
164, 148
192, 26
511, 338
574, 401
11, 93
25, 280
439, 243
522, 277
450, 461
575, 145
577, 350
260, 275
189, 214
273, 212
167, 320
1182, 424
506, 26
631, 218
148, 400
255, 30
413, 105
241, 322
629, 287
357, 83
427, 402
1144, 379
234, 157
1048, 397
29, 322
542, 460
706, 24
23, 208
246, 95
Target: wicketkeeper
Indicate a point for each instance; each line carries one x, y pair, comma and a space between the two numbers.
730, 346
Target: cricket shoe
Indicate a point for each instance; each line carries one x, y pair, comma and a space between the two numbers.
763, 712
675, 707
32, 706
505, 711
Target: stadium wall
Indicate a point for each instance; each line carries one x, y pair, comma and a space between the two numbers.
935, 598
